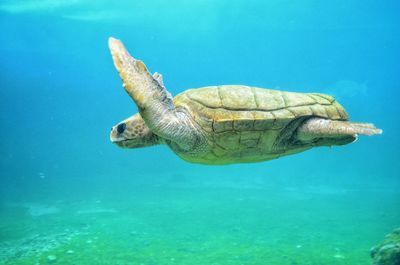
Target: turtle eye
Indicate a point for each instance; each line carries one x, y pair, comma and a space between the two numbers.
121, 128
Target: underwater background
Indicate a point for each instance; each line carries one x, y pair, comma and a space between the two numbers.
69, 196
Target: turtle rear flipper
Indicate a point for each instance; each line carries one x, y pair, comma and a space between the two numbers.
333, 132
153, 100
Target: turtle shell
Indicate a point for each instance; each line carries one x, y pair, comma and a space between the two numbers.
243, 124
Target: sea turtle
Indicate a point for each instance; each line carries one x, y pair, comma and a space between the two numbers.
227, 124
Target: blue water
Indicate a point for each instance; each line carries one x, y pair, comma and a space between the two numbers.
60, 177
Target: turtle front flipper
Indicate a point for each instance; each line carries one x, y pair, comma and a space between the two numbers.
318, 131
153, 100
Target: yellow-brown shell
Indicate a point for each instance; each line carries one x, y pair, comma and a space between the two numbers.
242, 123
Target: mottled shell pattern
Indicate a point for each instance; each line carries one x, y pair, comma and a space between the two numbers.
243, 121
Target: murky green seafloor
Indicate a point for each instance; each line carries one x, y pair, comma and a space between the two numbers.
312, 226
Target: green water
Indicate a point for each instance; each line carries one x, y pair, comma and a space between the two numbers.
200, 225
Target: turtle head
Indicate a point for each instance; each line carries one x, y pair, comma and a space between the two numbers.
133, 133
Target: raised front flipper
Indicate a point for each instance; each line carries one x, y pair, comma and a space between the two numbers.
153, 100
